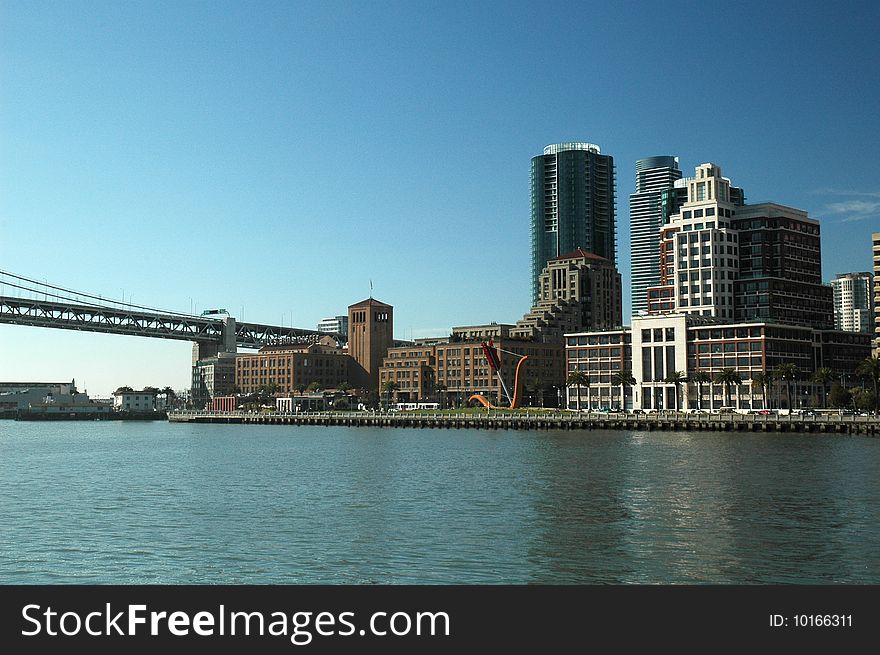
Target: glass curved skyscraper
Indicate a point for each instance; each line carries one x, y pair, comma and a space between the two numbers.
572, 188
653, 176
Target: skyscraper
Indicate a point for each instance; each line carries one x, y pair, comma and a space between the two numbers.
654, 175
853, 302
573, 190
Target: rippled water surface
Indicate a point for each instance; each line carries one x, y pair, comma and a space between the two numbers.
133, 502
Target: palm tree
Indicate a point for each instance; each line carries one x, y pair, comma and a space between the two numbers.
170, 397
787, 373
728, 377
578, 379
388, 387
870, 368
624, 379
313, 387
701, 378
539, 386
763, 381
677, 378
823, 376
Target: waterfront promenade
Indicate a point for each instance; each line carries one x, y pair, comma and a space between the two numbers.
501, 420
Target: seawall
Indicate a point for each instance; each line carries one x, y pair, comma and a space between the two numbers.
866, 425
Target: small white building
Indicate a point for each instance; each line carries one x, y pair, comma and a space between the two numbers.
134, 401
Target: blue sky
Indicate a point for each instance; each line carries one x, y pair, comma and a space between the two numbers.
273, 158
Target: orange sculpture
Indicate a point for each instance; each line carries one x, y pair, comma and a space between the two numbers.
517, 387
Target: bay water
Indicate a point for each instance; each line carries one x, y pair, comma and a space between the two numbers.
155, 502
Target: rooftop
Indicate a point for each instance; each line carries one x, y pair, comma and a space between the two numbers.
579, 254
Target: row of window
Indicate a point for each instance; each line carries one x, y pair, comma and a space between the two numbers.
658, 334
705, 263
595, 353
599, 339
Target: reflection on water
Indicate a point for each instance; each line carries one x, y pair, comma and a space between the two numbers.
158, 503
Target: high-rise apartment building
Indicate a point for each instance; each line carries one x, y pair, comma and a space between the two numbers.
573, 192
722, 258
853, 302
701, 248
780, 267
875, 250
654, 175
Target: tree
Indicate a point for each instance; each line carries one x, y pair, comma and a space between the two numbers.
388, 387
578, 379
701, 378
624, 379
343, 386
840, 396
170, 397
762, 381
788, 373
676, 378
863, 399
313, 387
728, 377
540, 386
822, 377
870, 370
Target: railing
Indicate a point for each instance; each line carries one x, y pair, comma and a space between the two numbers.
653, 417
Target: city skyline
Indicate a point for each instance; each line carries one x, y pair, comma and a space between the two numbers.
275, 161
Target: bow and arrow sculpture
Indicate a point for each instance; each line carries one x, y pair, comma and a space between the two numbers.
491, 353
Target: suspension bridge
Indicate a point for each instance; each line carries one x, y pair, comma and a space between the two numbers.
52, 306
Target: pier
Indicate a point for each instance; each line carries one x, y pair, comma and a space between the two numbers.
834, 424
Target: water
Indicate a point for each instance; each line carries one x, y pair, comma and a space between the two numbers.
133, 502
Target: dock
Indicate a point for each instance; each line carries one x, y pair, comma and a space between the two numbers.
833, 424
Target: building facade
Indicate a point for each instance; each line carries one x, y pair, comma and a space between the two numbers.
292, 367
875, 251
576, 291
134, 401
605, 357
334, 325
724, 259
854, 302
693, 344
779, 278
212, 376
572, 205
450, 373
701, 249
654, 175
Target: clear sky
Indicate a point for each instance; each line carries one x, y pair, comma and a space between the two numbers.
274, 158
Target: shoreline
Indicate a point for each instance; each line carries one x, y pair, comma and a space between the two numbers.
832, 424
